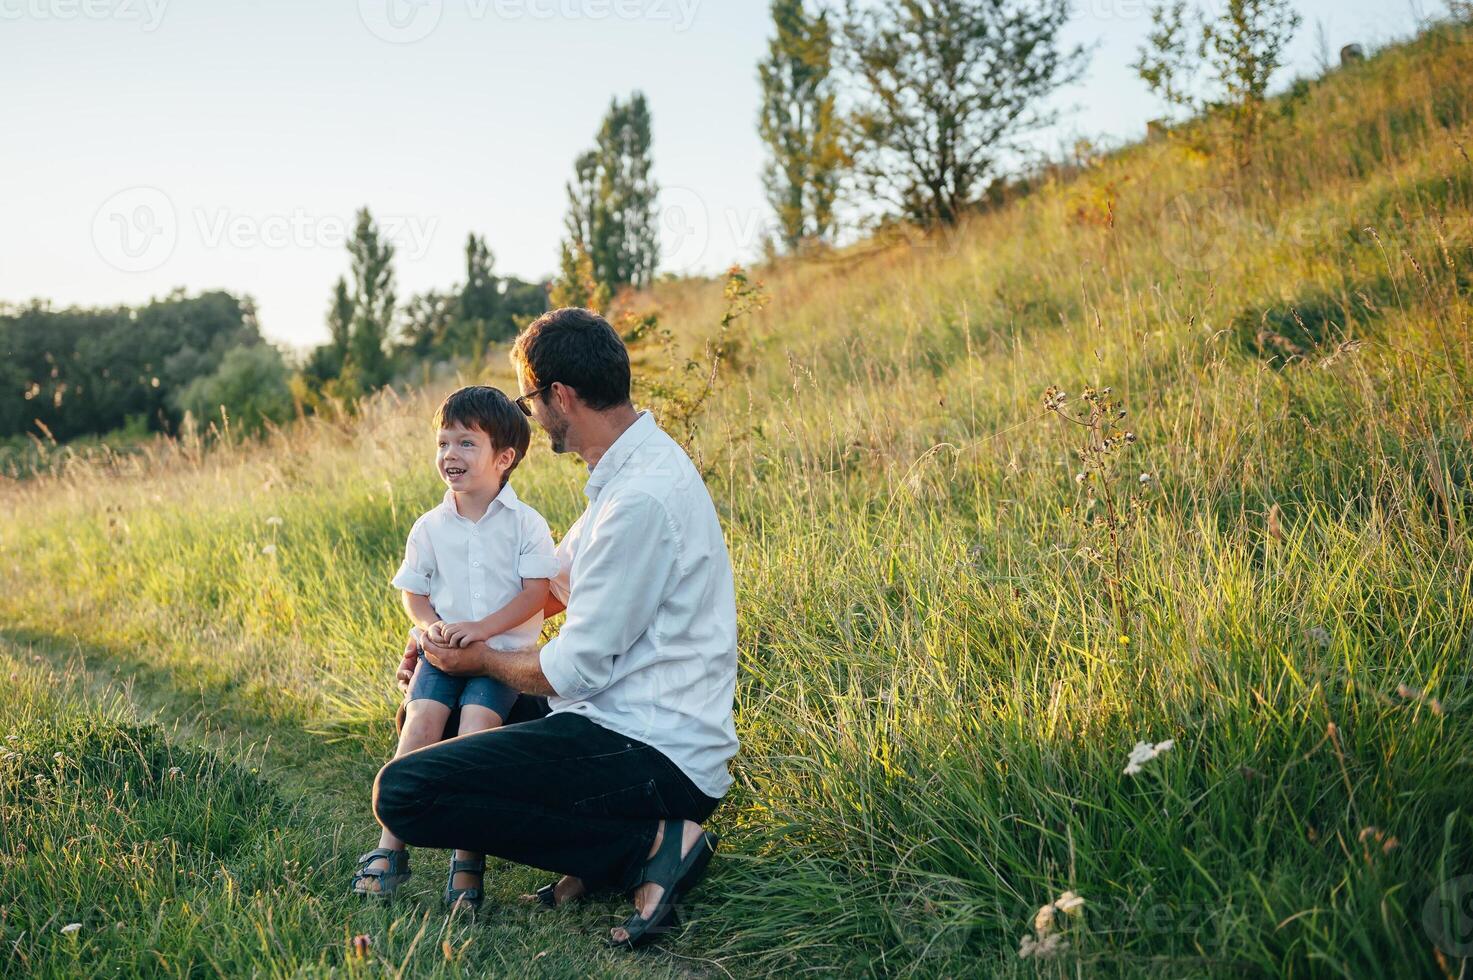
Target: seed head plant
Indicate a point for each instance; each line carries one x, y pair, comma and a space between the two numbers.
1109, 499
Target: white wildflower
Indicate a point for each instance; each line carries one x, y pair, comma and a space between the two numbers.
269, 549
1144, 752
273, 521
1043, 920
175, 772
70, 928
1045, 948
1069, 903
12, 738
58, 756
1146, 478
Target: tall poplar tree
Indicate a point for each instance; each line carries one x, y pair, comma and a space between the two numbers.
480, 299
612, 197
799, 124
373, 303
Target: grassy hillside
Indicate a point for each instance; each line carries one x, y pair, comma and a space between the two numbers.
946, 659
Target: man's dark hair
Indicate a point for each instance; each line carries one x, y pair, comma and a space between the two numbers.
490, 410
578, 348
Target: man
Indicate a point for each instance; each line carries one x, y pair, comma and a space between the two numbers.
611, 788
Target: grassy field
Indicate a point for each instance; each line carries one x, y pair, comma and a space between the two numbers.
946, 656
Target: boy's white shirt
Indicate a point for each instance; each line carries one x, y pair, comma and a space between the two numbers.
470, 569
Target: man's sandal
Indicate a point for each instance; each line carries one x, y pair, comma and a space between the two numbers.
389, 877
676, 875
470, 897
546, 896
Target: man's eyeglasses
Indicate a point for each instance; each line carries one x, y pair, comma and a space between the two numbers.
523, 402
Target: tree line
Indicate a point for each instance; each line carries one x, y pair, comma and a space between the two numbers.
374, 338
899, 108
909, 109
69, 373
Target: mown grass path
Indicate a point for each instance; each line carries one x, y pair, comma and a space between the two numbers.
323, 790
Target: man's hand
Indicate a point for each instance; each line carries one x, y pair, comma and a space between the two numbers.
458, 661
406, 666
462, 634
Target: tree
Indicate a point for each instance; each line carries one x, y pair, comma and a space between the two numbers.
479, 310
945, 88
428, 325
611, 200
799, 124
250, 386
373, 303
340, 317
78, 372
1241, 48
1164, 62
1244, 47
576, 284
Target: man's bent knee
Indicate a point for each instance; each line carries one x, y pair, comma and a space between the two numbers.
399, 798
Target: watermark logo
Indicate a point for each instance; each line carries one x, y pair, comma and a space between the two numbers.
1195, 230
136, 229
410, 235
146, 13
1114, 9
685, 228
1447, 915
407, 21
400, 21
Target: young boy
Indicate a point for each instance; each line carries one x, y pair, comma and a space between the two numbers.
476, 569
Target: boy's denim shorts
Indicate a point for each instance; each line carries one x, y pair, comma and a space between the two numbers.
432, 684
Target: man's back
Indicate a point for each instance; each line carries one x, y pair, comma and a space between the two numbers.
649, 647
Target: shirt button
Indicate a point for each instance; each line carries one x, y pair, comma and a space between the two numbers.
476, 596
475, 564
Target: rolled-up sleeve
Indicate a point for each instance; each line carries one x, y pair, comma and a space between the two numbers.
419, 561
623, 568
538, 558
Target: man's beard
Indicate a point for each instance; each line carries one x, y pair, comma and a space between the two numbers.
557, 434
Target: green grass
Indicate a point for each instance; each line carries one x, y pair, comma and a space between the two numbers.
937, 698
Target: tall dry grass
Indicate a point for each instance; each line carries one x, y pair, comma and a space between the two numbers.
937, 697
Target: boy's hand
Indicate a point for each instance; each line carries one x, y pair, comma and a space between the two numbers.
463, 634
406, 666
436, 632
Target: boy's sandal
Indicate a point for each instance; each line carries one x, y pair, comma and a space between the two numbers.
389, 877
470, 897
676, 875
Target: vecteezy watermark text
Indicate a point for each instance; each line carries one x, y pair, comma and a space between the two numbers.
137, 230
147, 13
407, 21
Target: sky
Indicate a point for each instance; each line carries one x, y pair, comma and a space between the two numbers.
147, 145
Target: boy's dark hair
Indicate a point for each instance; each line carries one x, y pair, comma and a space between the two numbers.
490, 410
578, 348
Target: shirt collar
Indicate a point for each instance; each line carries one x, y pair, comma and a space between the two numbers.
507, 498
618, 454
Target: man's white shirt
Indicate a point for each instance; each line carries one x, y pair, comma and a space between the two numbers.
649, 646
470, 569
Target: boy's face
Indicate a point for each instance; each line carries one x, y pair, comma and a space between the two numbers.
467, 461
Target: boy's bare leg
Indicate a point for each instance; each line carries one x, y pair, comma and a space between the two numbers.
473, 718
424, 724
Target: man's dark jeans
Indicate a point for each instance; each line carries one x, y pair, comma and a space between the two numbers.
560, 793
